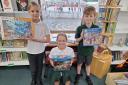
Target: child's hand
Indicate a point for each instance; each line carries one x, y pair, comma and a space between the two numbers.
67, 65
28, 38
82, 35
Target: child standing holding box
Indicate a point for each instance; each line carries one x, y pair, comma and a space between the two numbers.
36, 47
85, 53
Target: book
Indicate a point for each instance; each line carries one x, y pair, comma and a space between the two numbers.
0, 57
102, 2
7, 43
24, 56
102, 13
1, 7
19, 43
4, 57
16, 28
92, 36
15, 56
61, 62
22, 5
121, 81
9, 5
0, 40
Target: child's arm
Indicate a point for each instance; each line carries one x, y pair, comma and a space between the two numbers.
80, 38
53, 52
73, 56
51, 62
45, 39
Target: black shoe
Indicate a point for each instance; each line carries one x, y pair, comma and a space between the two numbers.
33, 82
77, 78
39, 82
89, 81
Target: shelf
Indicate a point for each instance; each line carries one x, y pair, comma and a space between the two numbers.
104, 6
107, 21
14, 63
117, 48
121, 31
12, 49
117, 62
14, 12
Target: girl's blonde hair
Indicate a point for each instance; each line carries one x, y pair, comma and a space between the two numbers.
62, 34
88, 11
32, 4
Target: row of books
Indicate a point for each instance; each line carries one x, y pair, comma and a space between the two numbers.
117, 55
13, 56
109, 2
13, 43
108, 13
14, 5
122, 81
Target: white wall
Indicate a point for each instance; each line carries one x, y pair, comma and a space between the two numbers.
124, 4
122, 24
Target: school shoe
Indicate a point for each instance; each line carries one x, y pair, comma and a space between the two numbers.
39, 82
77, 78
33, 82
89, 81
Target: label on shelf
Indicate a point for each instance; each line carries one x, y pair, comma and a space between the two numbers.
11, 64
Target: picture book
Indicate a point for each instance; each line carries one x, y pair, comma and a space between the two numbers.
22, 5
92, 36
16, 28
9, 5
61, 62
1, 8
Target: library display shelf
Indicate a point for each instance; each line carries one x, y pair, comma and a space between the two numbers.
12, 49
115, 62
14, 63
118, 48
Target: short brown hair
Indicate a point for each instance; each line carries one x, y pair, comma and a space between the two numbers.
32, 4
62, 34
89, 10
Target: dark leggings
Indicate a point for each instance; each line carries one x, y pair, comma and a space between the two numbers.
36, 65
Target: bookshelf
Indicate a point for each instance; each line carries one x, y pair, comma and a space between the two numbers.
108, 14
12, 51
15, 63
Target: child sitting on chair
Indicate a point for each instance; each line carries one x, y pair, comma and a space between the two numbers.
61, 59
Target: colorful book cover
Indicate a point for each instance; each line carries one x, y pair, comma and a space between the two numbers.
22, 5
92, 37
19, 43
0, 57
1, 8
61, 62
16, 28
102, 13
15, 56
7, 5
7, 43
4, 57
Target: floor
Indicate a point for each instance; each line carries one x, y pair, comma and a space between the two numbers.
21, 76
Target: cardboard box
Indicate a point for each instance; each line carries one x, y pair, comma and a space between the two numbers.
113, 76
